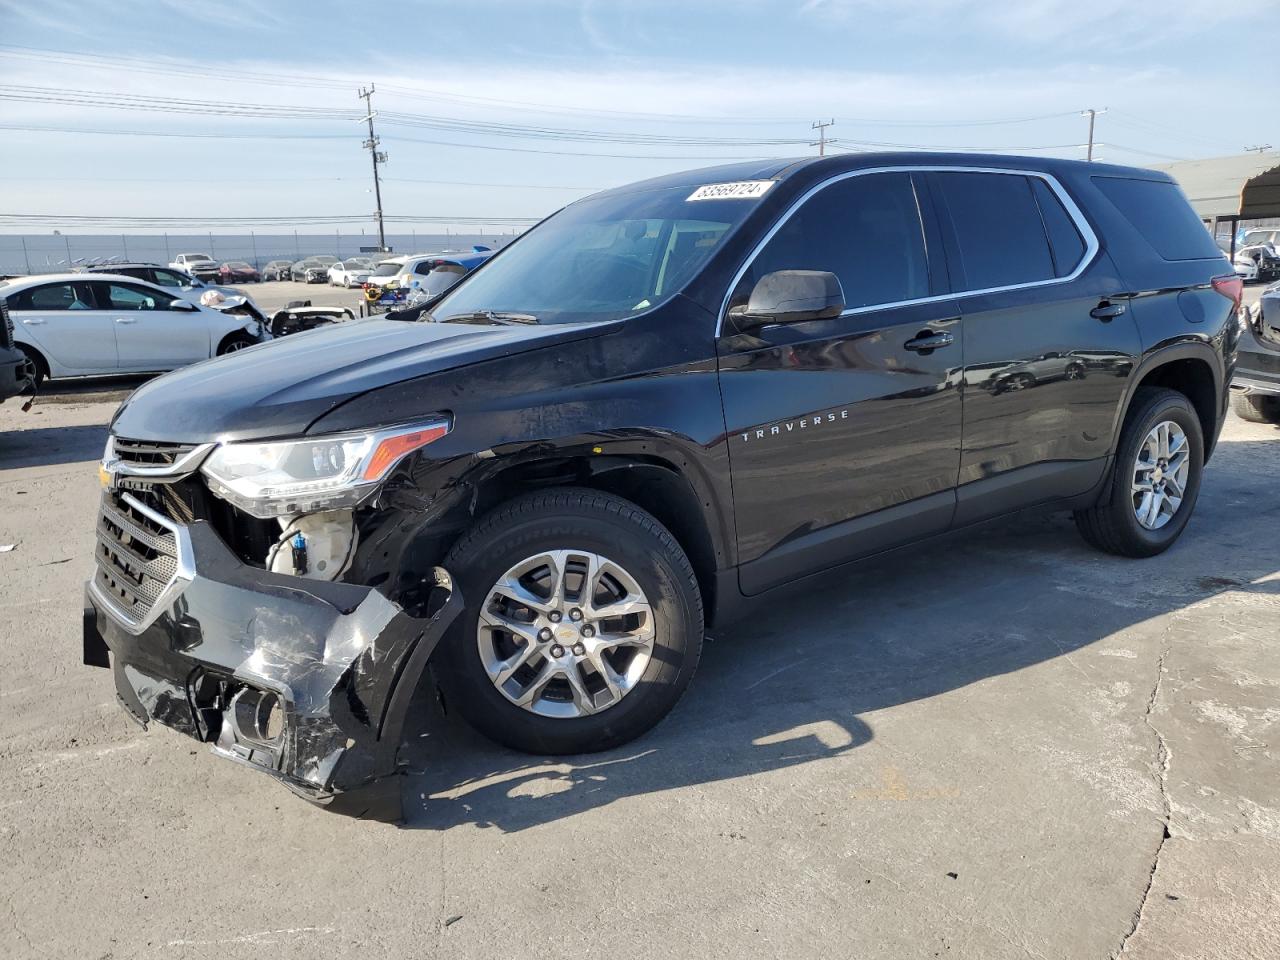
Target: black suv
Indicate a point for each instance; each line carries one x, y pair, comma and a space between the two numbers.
662, 401
1255, 390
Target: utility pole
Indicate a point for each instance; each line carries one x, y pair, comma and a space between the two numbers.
378, 157
1260, 148
1092, 114
821, 142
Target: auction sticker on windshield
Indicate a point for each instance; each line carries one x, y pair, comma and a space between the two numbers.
742, 190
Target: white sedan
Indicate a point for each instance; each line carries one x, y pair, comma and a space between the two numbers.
77, 324
350, 273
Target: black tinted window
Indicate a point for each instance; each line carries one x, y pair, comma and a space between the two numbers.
1159, 211
998, 226
1064, 238
53, 296
866, 230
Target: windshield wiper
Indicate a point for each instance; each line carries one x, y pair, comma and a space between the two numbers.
491, 316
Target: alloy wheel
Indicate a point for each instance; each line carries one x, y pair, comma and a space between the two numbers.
1160, 475
565, 633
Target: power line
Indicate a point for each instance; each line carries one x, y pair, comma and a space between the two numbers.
258, 180
186, 68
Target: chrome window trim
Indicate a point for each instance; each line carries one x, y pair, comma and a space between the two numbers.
184, 572
1073, 211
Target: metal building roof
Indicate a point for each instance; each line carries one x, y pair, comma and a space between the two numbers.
1245, 186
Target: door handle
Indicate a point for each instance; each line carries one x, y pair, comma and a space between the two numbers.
1107, 311
926, 341
125, 320
32, 321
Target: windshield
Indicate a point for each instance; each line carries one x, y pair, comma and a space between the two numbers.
601, 258
356, 265
387, 269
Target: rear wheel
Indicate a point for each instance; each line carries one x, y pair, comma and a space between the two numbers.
1155, 480
583, 623
42, 367
1255, 408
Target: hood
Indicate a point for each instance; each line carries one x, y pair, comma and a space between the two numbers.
279, 388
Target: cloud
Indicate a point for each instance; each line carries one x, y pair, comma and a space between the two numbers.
1043, 21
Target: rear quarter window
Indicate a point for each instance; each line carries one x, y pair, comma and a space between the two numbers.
1160, 212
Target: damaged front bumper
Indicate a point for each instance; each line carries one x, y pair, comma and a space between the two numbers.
308, 681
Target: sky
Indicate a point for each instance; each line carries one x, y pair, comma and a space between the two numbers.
508, 109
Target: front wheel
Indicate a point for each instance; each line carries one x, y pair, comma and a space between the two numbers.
1155, 480
234, 342
1255, 408
583, 624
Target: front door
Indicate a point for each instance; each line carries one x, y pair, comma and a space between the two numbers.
844, 433
150, 335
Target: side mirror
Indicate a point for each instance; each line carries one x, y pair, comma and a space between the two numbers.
791, 296
184, 306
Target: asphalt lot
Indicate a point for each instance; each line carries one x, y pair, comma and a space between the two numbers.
998, 744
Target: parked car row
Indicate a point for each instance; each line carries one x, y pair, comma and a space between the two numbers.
1257, 255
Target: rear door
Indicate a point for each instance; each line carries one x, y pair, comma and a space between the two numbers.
1049, 340
59, 320
844, 436
150, 335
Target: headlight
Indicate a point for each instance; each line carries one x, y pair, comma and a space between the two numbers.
287, 477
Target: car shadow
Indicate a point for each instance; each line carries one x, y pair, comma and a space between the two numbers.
799, 682
46, 446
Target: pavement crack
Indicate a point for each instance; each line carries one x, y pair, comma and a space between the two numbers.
1163, 756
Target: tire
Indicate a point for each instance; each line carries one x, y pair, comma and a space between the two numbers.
235, 341
41, 365
577, 521
1112, 524
1255, 408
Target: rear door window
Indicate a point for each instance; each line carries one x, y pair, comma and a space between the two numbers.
53, 296
1160, 212
865, 229
998, 227
1064, 238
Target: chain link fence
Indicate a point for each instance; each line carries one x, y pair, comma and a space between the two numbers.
53, 253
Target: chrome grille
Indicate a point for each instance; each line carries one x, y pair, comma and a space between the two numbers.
148, 453
6, 325
136, 554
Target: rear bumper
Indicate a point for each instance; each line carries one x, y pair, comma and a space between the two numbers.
306, 681
1257, 367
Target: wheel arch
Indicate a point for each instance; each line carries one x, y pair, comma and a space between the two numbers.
651, 481
1192, 369
36, 354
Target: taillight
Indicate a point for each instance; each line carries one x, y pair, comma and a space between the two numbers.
1230, 287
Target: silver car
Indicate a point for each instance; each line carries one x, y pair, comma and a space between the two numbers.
88, 324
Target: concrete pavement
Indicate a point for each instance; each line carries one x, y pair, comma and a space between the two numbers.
997, 744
